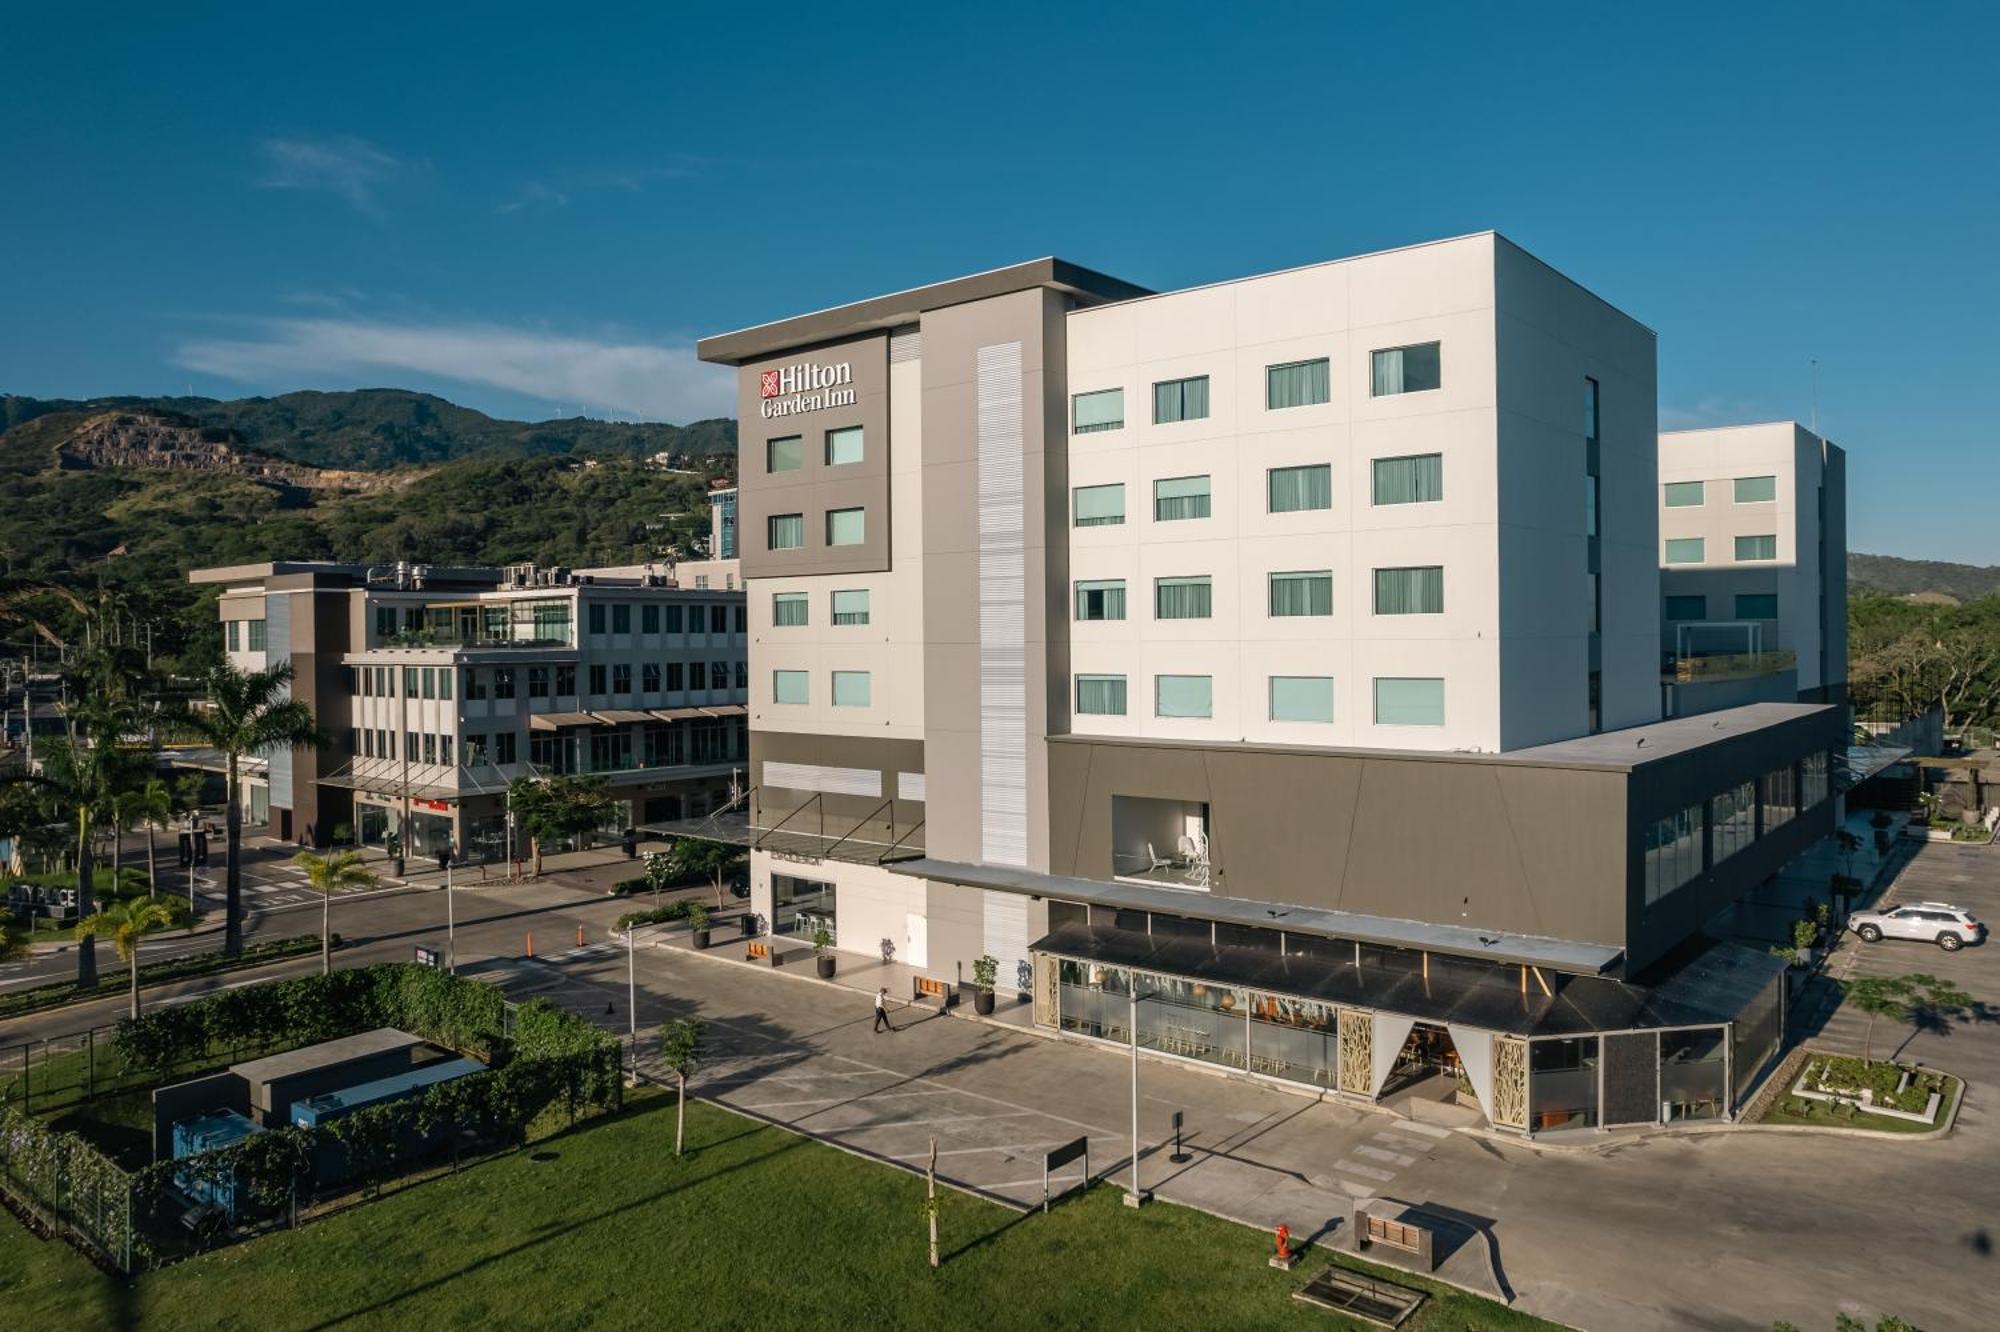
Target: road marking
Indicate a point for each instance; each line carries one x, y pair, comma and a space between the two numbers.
1428, 1130
1382, 1154
1354, 1190
856, 1098
1018, 1149
976, 1118
1366, 1172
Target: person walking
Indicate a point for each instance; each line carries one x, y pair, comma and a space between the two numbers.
882, 1010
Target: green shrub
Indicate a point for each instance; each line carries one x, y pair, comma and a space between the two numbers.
659, 915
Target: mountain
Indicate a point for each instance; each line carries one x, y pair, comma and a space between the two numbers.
1921, 578
372, 429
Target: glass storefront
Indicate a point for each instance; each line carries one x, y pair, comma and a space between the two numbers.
802, 906
1694, 1067
1241, 1029
374, 825
1562, 1083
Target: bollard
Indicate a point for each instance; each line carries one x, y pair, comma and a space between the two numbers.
531, 943
579, 936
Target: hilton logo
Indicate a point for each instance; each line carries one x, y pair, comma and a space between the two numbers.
805, 387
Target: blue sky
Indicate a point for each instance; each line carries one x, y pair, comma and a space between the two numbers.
535, 209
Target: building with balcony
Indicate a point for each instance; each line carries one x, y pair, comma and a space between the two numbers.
1753, 567
439, 686
1266, 674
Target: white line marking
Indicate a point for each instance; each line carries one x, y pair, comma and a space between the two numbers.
1354, 1190
857, 1098
1020, 1149
914, 1123
1381, 1154
1366, 1172
1036, 1182
1428, 1130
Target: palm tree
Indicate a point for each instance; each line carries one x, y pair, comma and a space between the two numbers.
248, 712
127, 923
153, 803
327, 875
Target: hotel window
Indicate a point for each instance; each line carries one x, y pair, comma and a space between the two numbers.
843, 446
621, 618
649, 677
1187, 598
410, 677
1685, 550
445, 676
1756, 489
385, 623
1673, 852
787, 531
1417, 591
565, 681
850, 606
598, 678
676, 677
1756, 605
1101, 410
1308, 592
846, 527
851, 689
430, 748
444, 750
256, 630
1099, 506
1302, 698
1296, 384
538, 682
1733, 816
649, 619
1687, 608
1413, 369
233, 629
1415, 479
789, 609
1100, 695
1179, 497
596, 619
1103, 599
1757, 547
621, 678
1781, 797
1409, 701
787, 686
1685, 494
1296, 489
503, 746
1183, 696
785, 454
675, 615
1180, 400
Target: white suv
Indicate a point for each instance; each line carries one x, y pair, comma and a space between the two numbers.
1949, 927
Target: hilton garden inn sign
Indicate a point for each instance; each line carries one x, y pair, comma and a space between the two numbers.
805, 387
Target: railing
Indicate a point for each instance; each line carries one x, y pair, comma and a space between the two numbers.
1731, 666
447, 638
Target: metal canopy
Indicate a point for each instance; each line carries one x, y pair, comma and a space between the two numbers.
677, 714
389, 777
622, 716
549, 721
1458, 940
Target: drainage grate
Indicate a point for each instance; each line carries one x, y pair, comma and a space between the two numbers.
1379, 1302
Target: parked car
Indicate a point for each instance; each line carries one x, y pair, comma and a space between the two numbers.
1949, 927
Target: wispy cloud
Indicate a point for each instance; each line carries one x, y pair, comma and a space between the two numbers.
653, 382
352, 170
1713, 411
557, 189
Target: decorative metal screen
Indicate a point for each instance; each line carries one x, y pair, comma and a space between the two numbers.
1003, 623
1357, 1051
1510, 1083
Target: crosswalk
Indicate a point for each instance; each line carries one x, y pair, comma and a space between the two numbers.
1369, 1166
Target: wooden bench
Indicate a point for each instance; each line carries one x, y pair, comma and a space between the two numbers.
1393, 1226
760, 950
928, 989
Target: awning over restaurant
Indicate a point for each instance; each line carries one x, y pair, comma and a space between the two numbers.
724, 710
550, 721
622, 716
677, 714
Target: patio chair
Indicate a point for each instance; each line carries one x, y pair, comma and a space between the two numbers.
1156, 861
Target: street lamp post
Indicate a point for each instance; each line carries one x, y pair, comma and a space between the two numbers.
1136, 1196
450, 916
632, 1000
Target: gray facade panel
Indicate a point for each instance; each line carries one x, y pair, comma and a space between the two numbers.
1631, 1079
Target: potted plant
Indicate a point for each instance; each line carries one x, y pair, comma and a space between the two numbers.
1805, 936
985, 968
748, 922
823, 952
697, 916
394, 844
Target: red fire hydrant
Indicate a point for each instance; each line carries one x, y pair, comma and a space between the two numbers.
1284, 1244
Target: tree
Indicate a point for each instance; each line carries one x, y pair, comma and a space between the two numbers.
660, 871
187, 792
697, 856
549, 808
1918, 997
327, 875
248, 712
680, 1051
153, 804
127, 923
13, 947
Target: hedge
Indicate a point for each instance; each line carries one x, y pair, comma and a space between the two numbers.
118, 981
659, 915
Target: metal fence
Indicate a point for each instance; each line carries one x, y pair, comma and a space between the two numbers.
65, 1186
45, 1076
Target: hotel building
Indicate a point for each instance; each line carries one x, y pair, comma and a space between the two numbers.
1287, 649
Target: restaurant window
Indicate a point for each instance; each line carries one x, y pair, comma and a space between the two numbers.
1673, 852
802, 907
1781, 797
1562, 1083
1733, 821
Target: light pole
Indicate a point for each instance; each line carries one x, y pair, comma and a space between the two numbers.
450, 917
632, 1000
1136, 1196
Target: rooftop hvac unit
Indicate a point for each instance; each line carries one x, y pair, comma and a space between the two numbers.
520, 575
561, 575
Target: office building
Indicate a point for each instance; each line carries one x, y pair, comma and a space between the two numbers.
1285, 647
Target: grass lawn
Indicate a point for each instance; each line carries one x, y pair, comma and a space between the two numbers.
756, 1229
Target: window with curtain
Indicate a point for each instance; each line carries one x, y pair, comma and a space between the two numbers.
1183, 696
1103, 409
851, 689
850, 606
257, 630
786, 686
1415, 591
1100, 506
1304, 592
787, 453
1180, 400
1294, 489
1100, 599
1417, 478
1100, 695
1297, 384
1302, 698
1687, 607
846, 527
1756, 605
787, 531
843, 446
1756, 489
1186, 598
1179, 497
788, 609
1757, 547
1412, 369
1685, 494
1685, 550
1409, 701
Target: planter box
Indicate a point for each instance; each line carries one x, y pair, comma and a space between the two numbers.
1865, 1098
